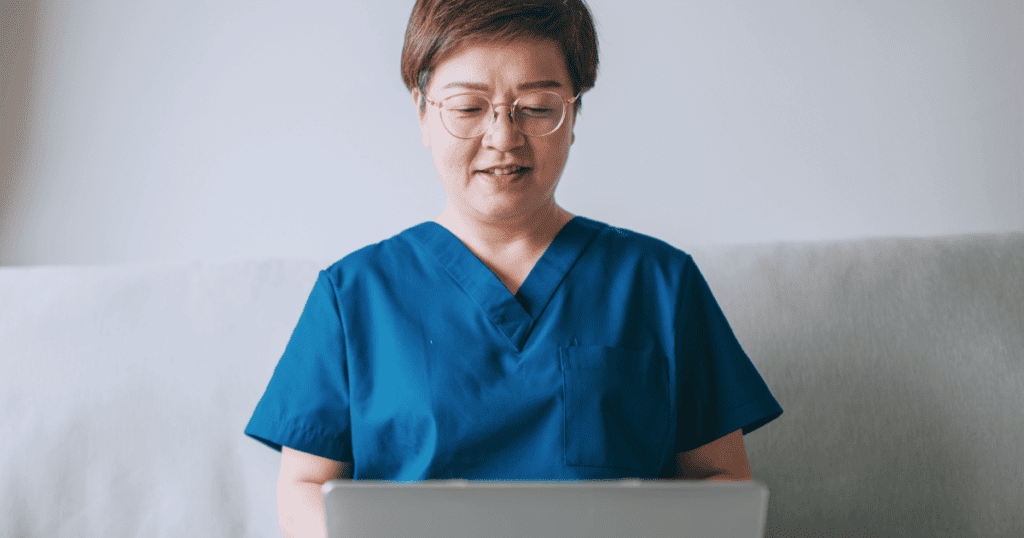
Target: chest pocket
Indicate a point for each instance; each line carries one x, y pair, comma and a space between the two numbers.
616, 409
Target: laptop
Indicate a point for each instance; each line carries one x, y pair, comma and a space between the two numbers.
583, 509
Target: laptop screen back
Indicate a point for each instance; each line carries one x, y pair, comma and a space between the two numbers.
588, 509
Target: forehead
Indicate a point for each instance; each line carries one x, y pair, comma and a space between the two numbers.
522, 63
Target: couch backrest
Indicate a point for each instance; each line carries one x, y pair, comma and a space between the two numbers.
899, 364
125, 391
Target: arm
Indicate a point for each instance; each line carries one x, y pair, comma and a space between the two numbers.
300, 505
722, 459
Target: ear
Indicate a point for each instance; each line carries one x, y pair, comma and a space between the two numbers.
422, 115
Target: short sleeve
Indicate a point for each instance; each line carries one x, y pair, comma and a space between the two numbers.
719, 390
306, 403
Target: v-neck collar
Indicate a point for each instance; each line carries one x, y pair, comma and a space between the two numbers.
513, 315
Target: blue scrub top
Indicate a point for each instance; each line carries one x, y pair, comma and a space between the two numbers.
412, 360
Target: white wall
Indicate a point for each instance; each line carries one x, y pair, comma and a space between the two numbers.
233, 129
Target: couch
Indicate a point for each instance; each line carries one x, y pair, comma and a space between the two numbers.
899, 362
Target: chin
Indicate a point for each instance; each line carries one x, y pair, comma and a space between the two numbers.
495, 212
499, 214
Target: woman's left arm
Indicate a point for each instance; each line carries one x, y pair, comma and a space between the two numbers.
720, 460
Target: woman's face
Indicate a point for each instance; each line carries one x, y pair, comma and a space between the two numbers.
502, 73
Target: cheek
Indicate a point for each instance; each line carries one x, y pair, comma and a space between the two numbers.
455, 156
556, 152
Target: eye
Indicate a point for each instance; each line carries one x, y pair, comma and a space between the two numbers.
538, 112
466, 105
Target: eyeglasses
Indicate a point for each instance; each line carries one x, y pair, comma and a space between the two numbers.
469, 115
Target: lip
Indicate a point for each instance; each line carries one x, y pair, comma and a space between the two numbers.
489, 170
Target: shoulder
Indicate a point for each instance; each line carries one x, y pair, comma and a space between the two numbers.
620, 245
388, 257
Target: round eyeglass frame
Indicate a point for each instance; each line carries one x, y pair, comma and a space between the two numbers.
494, 113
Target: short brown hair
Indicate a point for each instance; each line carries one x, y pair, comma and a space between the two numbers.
436, 27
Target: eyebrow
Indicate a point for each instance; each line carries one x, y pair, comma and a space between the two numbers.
535, 85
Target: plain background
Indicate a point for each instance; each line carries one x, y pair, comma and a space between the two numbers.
185, 130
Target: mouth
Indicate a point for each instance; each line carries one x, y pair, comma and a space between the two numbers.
505, 171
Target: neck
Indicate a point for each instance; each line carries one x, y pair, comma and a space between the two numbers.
479, 233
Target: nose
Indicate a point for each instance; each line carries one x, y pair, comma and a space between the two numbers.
502, 134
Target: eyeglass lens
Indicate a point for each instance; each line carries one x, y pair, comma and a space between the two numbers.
537, 114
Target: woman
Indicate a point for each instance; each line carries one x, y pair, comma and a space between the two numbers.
508, 338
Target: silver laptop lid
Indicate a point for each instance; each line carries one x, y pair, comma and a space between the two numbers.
587, 509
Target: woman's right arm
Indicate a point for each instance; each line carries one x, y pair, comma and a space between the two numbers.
300, 504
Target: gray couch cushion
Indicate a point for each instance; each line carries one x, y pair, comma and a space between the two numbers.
125, 391
900, 366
